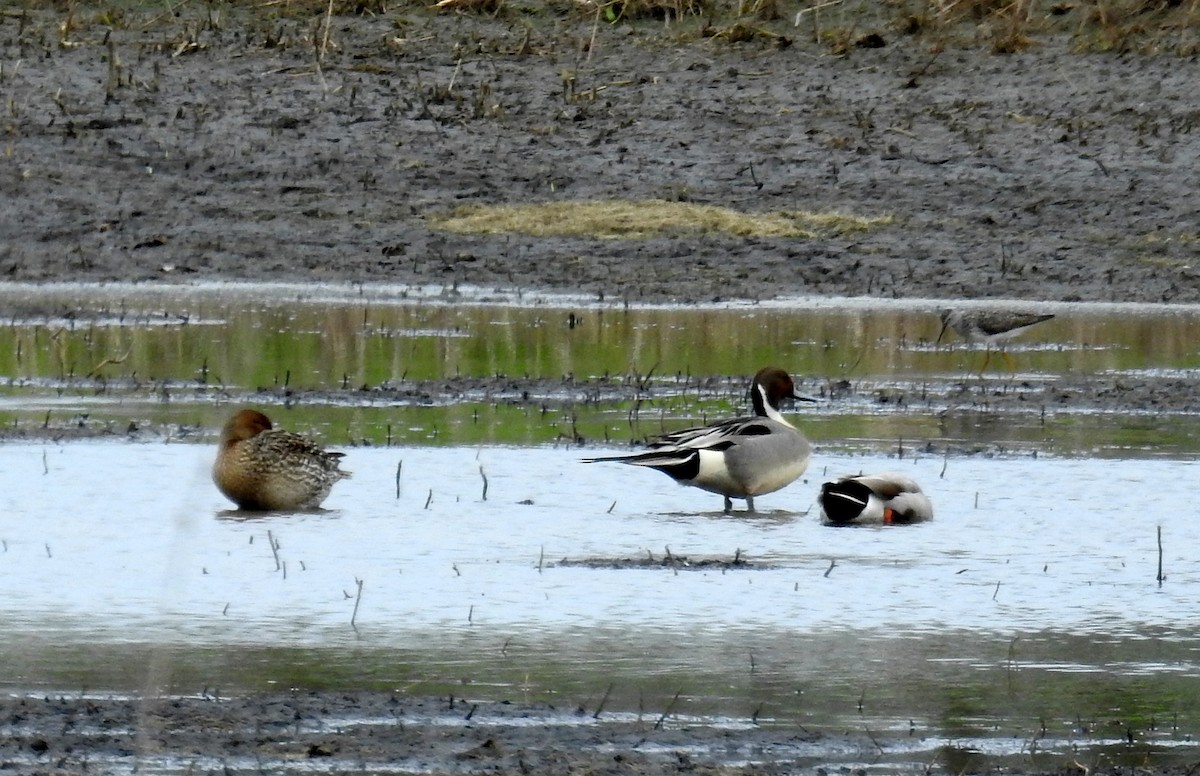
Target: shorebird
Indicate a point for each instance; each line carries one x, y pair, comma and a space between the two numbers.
886, 497
991, 327
259, 467
740, 457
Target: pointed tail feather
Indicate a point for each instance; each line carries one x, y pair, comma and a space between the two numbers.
677, 464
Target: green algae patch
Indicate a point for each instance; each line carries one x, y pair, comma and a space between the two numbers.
615, 219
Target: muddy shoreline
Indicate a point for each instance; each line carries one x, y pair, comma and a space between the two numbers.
179, 150
184, 148
374, 732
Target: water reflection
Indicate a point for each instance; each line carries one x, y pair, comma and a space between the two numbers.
372, 369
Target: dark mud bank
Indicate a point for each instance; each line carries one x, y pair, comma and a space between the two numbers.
180, 148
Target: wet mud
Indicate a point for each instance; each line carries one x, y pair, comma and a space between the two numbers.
265, 149
369, 732
241, 146
972, 399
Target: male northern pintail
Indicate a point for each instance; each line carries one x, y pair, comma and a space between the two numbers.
737, 458
260, 467
886, 497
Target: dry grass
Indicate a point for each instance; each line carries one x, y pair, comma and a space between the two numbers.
1002, 26
611, 219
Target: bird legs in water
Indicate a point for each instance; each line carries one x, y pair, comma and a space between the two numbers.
729, 504
1008, 360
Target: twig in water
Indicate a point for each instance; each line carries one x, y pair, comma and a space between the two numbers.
541, 558
996, 592
274, 548
1160, 554
471, 615
670, 707
829, 570
357, 600
96, 369
429, 498
611, 507
945, 463
874, 740
603, 701
399, 466
484, 476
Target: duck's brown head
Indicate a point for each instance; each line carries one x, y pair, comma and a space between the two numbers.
247, 424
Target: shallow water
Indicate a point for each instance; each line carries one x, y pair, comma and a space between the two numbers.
493, 569
347, 362
1032, 594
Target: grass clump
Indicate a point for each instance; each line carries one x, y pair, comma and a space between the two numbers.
632, 219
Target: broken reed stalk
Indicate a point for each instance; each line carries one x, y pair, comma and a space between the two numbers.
484, 476
603, 701
324, 47
1160, 556
274, 548
357, 601
399, 466
429, 498
670, 707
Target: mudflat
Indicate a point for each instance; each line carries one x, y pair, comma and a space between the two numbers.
251, 143
246, 142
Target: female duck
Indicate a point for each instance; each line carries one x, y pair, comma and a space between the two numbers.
263, 468
887, 497
737, 458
